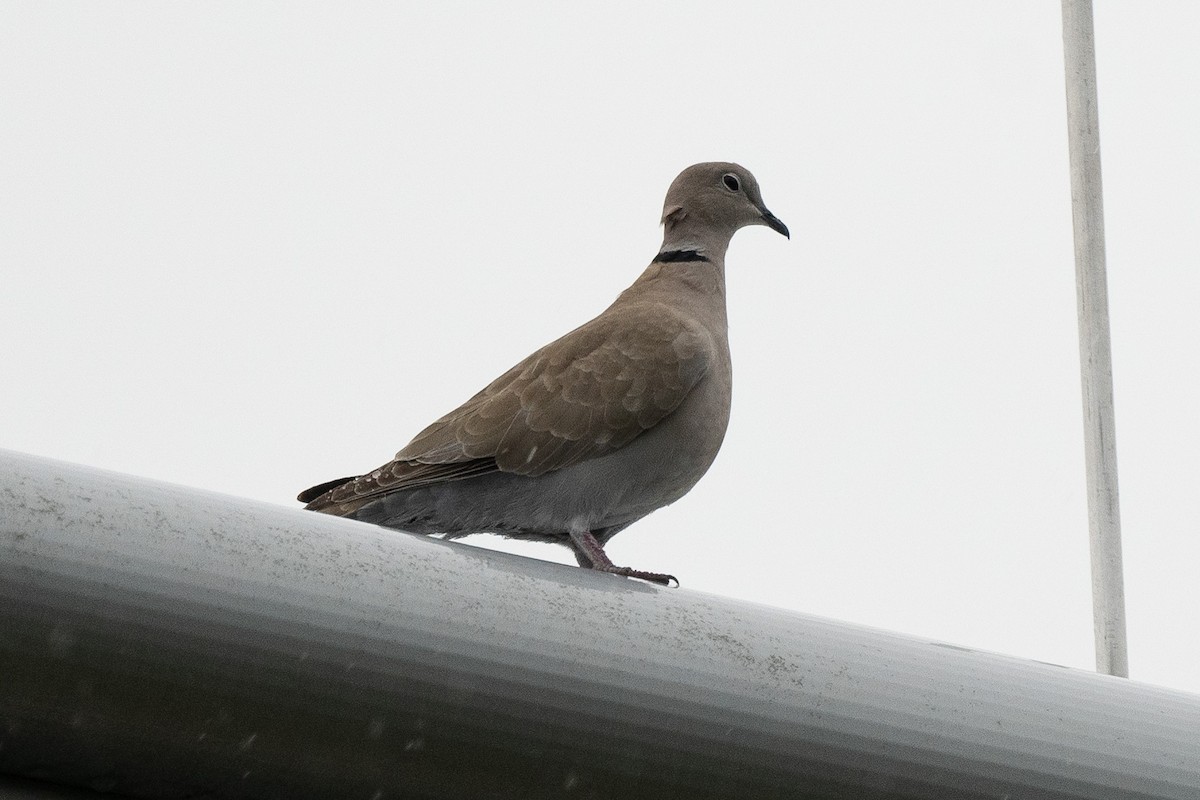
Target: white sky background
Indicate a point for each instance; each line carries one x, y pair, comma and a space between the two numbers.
252, 247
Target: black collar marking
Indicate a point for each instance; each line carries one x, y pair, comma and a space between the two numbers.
670, 256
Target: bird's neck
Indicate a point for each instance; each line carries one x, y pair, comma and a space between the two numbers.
688, 234
682, 272
683, 242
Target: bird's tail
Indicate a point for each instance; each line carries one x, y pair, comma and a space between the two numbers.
312, 494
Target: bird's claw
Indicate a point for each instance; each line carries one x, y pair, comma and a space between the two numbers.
660, 578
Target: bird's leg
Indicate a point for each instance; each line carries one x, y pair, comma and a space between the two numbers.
588, 545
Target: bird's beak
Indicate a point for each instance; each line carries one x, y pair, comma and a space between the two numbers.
774, 223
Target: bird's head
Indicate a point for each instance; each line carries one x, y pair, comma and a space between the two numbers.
719, 196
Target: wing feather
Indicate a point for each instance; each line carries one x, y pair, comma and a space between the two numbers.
582, 396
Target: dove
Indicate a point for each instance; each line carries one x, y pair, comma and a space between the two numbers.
599, 428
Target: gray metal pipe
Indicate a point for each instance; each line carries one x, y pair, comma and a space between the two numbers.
157, 641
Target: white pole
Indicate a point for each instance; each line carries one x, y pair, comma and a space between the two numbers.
1095, 348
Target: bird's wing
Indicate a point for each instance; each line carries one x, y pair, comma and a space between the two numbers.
584, 395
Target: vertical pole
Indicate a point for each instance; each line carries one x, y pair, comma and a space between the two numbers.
1095, 348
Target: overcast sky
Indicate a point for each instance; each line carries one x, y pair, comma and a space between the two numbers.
249, 247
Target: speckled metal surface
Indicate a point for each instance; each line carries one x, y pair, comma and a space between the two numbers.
157, 641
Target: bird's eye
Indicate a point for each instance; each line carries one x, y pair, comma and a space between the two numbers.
731, 182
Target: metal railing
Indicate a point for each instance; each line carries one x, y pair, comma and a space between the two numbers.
158, 641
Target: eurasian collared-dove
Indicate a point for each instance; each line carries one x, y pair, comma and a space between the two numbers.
620, 417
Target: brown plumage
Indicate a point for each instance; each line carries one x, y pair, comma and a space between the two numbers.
601, 426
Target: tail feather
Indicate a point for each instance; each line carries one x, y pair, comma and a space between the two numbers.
308, 495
